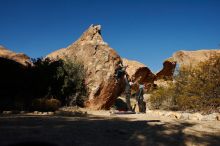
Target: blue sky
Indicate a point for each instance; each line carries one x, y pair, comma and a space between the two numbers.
145, 30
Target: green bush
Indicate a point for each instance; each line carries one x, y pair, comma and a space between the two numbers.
72, 78
60, 79
44, 78
194, 89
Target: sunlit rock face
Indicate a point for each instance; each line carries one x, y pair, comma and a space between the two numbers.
138, 72
100, 62
17, 57
193, 58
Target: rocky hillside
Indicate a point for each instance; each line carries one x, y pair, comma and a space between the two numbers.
17, 57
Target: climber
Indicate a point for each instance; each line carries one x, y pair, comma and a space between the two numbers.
129, 83
120, 71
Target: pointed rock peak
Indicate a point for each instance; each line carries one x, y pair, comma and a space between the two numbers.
92, 35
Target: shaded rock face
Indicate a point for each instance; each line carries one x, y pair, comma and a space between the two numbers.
100, 62
193, 58
13, 68
168, 70
17, 57
13, 78
138, 72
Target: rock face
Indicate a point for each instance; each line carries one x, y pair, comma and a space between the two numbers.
138, 71
100, 62
13, 77
166, 73
18, 57
193, 58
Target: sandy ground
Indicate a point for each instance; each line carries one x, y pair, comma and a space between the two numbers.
100, 128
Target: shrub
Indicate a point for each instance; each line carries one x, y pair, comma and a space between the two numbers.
71, 76
43, 104
162, 98
42, 77
194, 89
62, 79
45, 78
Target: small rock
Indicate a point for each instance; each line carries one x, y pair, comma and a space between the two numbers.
7, 112
50, 113
44, 113
36, 112
175, 115
22, 112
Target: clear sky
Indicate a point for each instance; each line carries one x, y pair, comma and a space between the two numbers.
145, 30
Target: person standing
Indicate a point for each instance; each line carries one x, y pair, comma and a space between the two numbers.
128, 92
140, 98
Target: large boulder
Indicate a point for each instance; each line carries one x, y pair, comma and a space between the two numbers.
100, 62
167, 72
193, 58
138, 71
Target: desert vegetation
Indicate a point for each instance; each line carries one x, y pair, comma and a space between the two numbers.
193, 89
45, 85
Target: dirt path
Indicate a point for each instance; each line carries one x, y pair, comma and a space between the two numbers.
101, 128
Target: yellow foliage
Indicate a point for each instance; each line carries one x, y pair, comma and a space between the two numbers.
194, 89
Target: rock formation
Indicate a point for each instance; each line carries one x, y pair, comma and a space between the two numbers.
13, 77
193, 58
138, 71
100, 62
17, 57
166, 73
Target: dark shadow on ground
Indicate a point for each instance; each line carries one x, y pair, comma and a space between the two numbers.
97, 131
